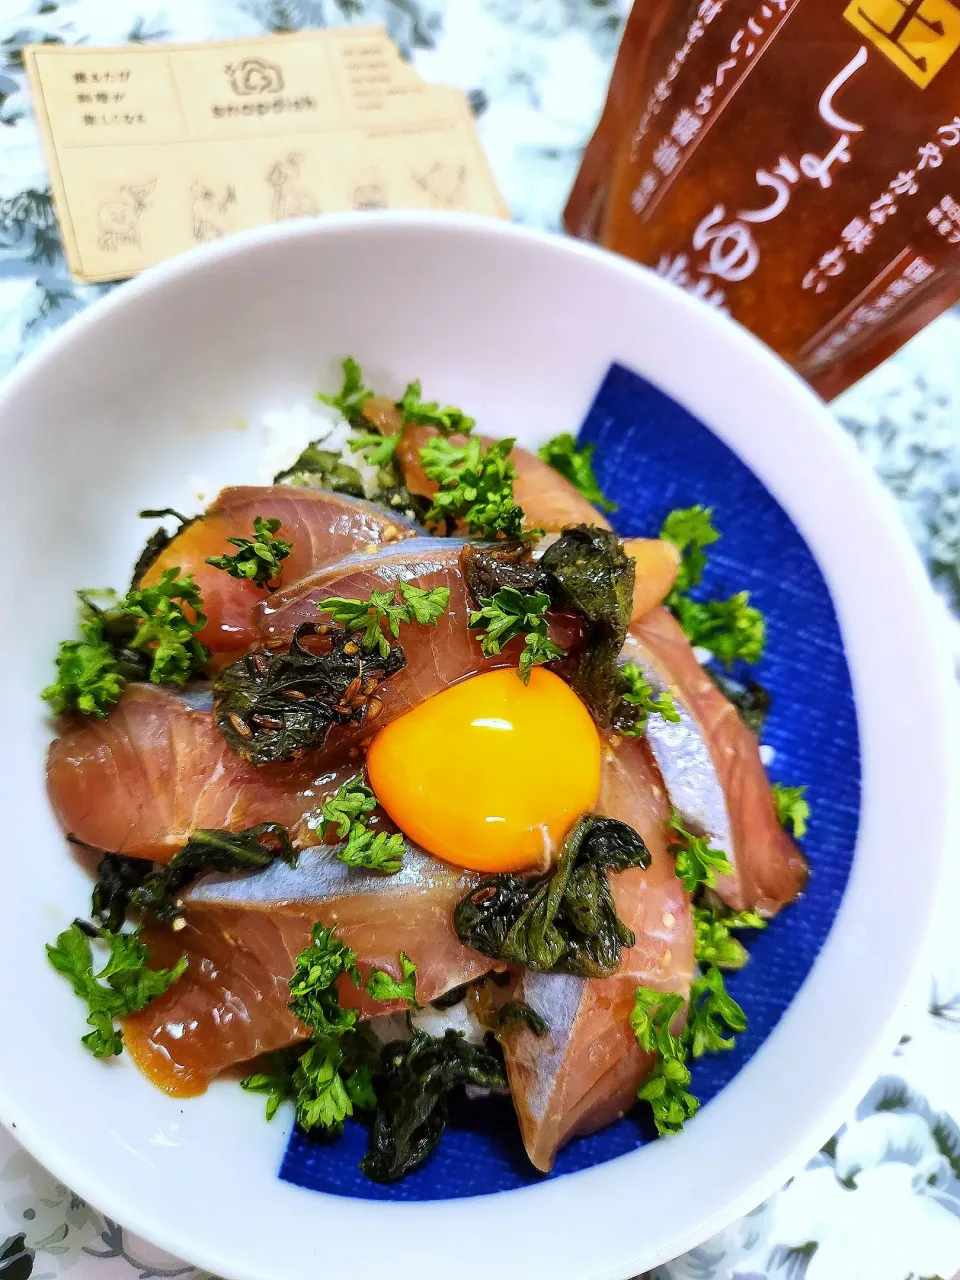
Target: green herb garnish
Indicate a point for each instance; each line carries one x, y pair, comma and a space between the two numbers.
712, 1012
638, 703
123, 986
731, 629
690, 529
367, 616
564, 921
147, 636
696, 863
313, 995
88, 675
384, 986
667, 1089
259, 559
448, 420
475, 487
414, 1081
793, 811
575, 465
331, 1077
352, 396
714, 941
346, 813
509, 614
651, 1019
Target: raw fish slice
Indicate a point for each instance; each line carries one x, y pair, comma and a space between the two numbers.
156, 769
711, 764
437, 656
242, 939
585, 1072
549, 501
321, 526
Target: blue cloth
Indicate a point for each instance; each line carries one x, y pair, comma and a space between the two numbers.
651, 456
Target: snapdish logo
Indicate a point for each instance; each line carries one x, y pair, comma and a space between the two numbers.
254, 75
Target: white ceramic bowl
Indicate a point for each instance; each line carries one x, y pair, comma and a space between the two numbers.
148, 389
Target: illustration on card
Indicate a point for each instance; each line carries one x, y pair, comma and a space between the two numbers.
370, 191
444, 183
119, 219
254, 75
210, 211
290, 198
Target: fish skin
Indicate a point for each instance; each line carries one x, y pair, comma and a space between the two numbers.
242, 938
713, 771
585, 1072
321, 527
157, 769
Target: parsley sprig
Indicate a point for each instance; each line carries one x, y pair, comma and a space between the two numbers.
258, 559
332, 1077
696, 862
384, 986
731, 629
418, 412
636, 693
353, 394
88, 674
712, 1013
123, 986
793, 810
575, 465
345, 814
151, 634
714, 942
475, 486
366, 617
509, 614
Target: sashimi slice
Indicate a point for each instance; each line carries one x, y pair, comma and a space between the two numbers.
157, 769
242, 938
321, 527
548, 499
585, 1071
711, 764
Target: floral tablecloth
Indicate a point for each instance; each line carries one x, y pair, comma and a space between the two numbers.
881, 1201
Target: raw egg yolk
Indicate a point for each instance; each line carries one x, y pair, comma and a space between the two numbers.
492, 773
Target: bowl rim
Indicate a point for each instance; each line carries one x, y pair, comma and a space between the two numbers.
620, 1256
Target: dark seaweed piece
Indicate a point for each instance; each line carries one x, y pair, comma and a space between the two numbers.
456, 995
158, 541
117, 879
587, 570
207, 850
275, 706
413, 1086
520, 1011
318, 468
488, 567
750, 697
564, 921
